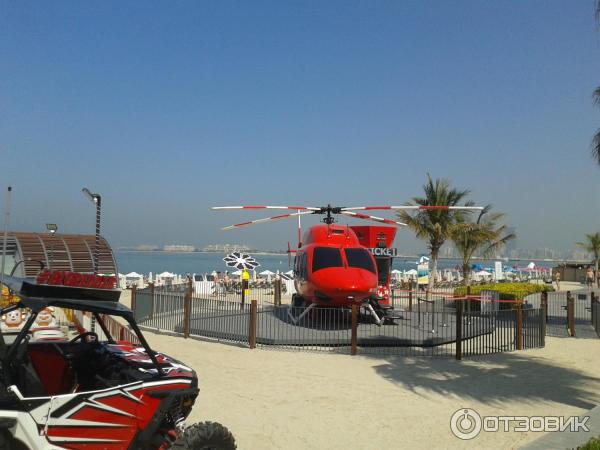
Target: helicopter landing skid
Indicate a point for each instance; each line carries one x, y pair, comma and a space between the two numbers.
295, 320
382, 316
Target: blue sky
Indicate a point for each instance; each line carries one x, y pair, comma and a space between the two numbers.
168, 108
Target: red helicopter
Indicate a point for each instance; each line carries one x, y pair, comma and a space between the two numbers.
331, 267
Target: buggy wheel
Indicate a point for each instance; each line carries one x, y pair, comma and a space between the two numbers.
206, 436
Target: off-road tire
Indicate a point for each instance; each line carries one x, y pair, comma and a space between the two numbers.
206, 436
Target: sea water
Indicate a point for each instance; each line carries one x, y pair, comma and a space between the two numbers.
189, 263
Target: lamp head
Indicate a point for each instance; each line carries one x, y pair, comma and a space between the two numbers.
92, 197
51, 227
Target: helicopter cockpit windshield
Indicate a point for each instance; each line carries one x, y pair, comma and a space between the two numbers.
326, 257
359, 258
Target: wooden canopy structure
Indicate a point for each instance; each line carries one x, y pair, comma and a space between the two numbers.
70, 252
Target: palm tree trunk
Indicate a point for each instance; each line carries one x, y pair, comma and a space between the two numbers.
433, 275
466, 274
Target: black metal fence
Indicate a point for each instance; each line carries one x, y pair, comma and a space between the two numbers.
569, 313
434, 324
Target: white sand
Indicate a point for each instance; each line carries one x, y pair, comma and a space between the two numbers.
293, 400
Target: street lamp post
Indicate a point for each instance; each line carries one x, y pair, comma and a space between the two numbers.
51, 227
97, 200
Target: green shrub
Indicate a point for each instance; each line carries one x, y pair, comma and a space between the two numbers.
508, 291
592, 444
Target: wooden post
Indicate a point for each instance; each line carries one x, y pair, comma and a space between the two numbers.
459, 324
252, 330
133, 294
187, 308
277, 292
354, 349
571, 313
544, 305
519, 334
410, 298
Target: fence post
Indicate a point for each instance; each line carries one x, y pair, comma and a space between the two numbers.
252, 330
187, 307
277, 292
410, 298
459, 324
544, 304
133, 294
151, 300
519, 313
468, 304
571, 313
592, 300
354, 349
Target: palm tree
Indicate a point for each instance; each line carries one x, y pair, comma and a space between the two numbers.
434, 225
484, 236
592, 245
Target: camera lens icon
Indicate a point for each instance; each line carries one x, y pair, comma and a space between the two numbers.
465, 424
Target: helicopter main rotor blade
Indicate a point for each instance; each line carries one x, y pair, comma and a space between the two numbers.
295, 208
266, 219
413, 207
375, 218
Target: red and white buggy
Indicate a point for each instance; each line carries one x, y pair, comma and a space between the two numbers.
72, 388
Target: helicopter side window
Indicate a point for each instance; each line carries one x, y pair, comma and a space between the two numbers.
303, 267
360, 258
325, 257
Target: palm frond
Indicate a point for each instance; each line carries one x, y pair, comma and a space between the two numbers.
596, 146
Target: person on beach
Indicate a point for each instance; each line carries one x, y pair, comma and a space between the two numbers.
226, 280
557, 280
590, 277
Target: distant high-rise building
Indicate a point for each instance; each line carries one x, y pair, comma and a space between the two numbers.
179, 248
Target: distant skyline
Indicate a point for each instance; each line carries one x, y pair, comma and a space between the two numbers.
167, 109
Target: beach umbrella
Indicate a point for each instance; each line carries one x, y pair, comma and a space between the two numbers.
237, 273
396, 271
266, 273
133, 275
531, 265
290, 273
411, 272
241, 261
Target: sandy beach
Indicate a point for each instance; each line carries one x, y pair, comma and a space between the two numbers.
297, 400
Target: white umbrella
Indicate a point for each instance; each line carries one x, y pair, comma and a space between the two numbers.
237, 273
290, 272
134, 275
267, 273
531, 265
166, 275
396, 271
411, 272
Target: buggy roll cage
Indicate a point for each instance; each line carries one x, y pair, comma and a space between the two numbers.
37, 297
